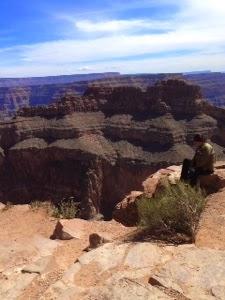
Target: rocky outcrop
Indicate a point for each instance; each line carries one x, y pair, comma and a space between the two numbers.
17, 93
99, 147
212, 85
170, 96
126, 211
60, 79
68, 104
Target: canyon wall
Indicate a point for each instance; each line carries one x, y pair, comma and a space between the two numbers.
100, 146
16, 93
26, 92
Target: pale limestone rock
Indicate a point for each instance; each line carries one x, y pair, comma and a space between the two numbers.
38, 267
193, 272
107, 257
115, 271
125, 289
13, 287
15, 256
150, 254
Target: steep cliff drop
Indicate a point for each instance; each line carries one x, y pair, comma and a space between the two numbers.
99, 147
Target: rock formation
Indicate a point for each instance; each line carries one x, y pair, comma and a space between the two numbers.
60, 79
27, 92
16, 93
126, 211
212, 85
99, 147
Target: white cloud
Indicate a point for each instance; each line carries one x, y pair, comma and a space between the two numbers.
120, 25
119, 46
197, 28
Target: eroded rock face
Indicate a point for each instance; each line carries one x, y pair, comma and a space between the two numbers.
99, 147
17, 93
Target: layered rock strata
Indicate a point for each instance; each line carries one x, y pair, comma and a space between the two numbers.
99, 147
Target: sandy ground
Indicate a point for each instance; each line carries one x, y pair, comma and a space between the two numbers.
20, 224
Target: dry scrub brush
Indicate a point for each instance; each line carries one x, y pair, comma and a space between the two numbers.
177, 209
66, 209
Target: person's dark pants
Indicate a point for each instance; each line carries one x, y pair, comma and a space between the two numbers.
191, 174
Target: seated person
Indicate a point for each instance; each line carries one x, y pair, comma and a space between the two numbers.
201, 164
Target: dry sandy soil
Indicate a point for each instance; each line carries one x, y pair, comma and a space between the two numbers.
24, 238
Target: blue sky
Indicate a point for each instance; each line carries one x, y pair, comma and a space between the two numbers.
51, 37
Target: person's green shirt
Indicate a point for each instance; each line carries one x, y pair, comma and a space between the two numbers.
204, 158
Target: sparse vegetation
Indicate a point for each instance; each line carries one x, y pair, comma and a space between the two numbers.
47, 205
66, 209
175, 210
37, 204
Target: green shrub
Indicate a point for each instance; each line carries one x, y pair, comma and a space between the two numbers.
66, 210
177, 209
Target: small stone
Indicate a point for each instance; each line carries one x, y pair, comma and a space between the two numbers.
60, 234
218, 292
95, 241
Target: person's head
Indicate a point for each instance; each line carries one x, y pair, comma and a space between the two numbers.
198, 140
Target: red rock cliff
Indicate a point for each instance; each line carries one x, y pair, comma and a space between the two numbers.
101, 146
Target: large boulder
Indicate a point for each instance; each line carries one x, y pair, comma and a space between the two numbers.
126, 211
216, 181
159, 179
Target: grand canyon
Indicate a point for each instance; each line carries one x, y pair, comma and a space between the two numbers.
99, 146
112, 150
25, 92
96, 148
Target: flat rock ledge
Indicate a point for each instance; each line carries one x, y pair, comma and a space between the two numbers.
143, 271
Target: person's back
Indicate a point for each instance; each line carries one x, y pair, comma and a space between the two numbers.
201, 164
204, 158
